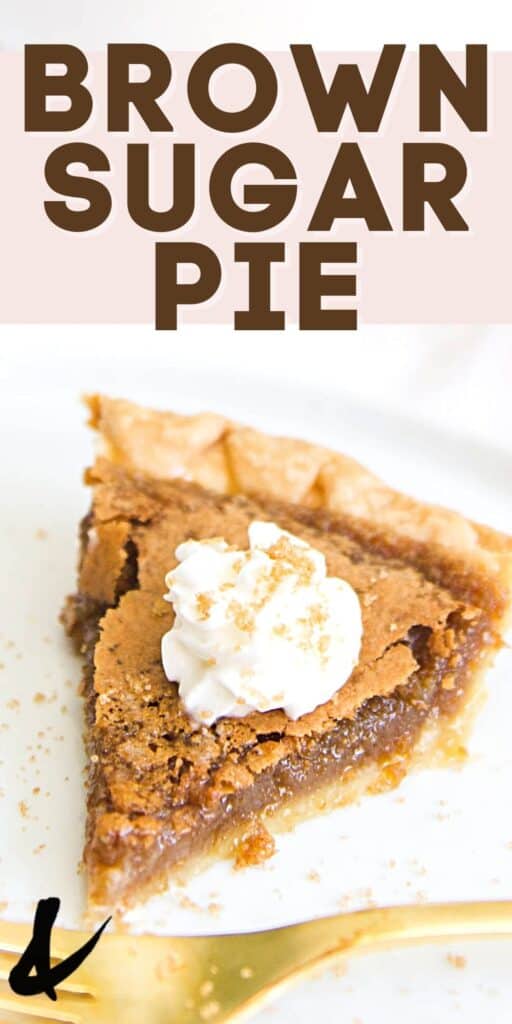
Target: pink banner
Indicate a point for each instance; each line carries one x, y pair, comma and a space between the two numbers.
48, 274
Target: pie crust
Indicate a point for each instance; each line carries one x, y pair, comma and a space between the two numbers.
233, 459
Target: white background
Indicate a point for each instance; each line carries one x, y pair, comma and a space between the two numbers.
456, 377
273, 24
430, 411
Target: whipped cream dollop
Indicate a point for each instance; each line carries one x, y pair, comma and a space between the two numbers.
258, 629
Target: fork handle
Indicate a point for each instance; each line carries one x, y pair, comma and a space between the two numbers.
280, 956
402, 925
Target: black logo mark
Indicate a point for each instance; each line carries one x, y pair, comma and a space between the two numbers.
37, 955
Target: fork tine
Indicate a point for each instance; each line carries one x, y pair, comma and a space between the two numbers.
74, 985
8, 1017
7, 962
16, 1015
67, 1009
14, 939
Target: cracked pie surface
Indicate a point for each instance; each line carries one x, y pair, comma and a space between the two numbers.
164, 792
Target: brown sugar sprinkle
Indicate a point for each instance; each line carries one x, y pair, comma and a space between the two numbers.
13, 704
41, 698
317, 615
456, 960
242, 617
300, 563
187, 904
23, 808
281, 630
311, 625
41, 534
204, 603
287, 560
323, 643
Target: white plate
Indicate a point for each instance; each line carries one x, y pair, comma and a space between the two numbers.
442, 835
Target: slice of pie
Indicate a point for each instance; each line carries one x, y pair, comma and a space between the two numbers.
435, 594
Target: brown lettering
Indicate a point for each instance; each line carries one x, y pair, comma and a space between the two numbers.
169, 293
349, 167
39, 85
143, 95
437, 78
259, 257
278, 197
313, 285
60, 180
199, 87
438, 194
347, 89
138, 188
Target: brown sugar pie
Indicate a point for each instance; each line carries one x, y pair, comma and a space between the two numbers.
166, 791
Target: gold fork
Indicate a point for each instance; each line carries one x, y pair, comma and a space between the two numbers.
224, 977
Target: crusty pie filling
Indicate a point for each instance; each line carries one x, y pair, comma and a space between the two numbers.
157, 794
